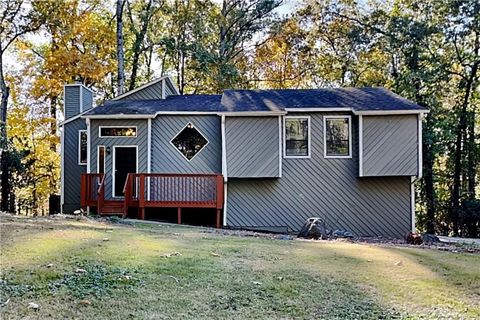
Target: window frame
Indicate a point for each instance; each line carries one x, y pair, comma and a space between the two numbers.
80, 163
114, 137
349, 118
309, 138
199, 131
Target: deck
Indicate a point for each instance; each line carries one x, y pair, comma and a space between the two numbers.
155, 190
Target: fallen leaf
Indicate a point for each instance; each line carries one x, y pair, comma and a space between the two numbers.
257, 283
105, 239
85, 302
33, 305
80, 270
213, 254
399, 263
171, 254
49, 265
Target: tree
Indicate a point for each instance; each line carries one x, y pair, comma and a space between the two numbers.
120, 51
16, 20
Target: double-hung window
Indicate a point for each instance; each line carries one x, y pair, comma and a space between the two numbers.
82, 147
338, 133
296, 137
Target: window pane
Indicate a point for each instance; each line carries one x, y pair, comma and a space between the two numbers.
83, 147
296, 136
337, 136
189, 141
118, 132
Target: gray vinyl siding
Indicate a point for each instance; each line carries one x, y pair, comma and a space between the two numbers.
72, 169
153, 91
72, 101
140, 141
252, 147
328, 188
390, 145
170, 89
167, 159
87, 98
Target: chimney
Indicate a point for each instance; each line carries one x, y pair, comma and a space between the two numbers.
76, 98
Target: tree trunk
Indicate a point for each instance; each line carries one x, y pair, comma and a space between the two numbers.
428, 158
137, 46
5, 183
472, 157
120, 53
53, 124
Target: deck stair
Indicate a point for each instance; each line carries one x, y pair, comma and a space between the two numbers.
113, 208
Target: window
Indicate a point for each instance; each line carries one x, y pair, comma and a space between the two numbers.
189, 142
297, 137
338, 143
118, 132
82, 147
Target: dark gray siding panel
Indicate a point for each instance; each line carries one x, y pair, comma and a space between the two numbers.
328, 188
252, 147
87, 98
72, 169
72, 101
167, 159
390, 145
151, 92
140, 141
170, 90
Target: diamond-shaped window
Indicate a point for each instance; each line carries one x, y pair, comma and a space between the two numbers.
189, 141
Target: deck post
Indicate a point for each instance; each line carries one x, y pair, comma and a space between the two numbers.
142, 213
218, 218
141, 197
179, 215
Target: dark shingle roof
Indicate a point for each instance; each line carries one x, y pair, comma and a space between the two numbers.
358, 99
198, 102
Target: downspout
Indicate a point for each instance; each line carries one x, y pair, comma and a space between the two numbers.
62, 168
87, 121
414, 179
224, 171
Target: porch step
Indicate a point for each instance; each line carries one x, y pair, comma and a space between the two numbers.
112, 208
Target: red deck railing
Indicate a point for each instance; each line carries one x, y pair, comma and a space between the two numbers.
92, 189
165, 190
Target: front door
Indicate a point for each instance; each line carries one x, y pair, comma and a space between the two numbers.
125, 162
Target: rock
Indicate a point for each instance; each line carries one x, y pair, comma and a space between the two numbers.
257, 283
399, 263
342, 234
430, 238
314, 228
105, 239
49, 265
414, 238
33, 305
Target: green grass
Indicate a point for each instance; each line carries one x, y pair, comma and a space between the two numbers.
162, 271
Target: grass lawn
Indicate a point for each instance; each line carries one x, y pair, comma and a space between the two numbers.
91, 270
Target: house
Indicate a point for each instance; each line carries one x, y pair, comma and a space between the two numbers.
257, 159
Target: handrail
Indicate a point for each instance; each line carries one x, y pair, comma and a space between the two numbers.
101, 194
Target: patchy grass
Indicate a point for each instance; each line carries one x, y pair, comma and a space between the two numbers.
90, 270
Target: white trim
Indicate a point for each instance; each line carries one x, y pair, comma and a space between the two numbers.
149, 154
412, 203
113, 165
81, 99
224, 150
388, 112
79, 149
193, 127
309, 137
280, 146
73, 118
146, 85
225, 192
125, 126
88, 145
253, 113
360, 146
325, 118
420, 146
164, 95
62, 168
151, 116
104, 158
326, 109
